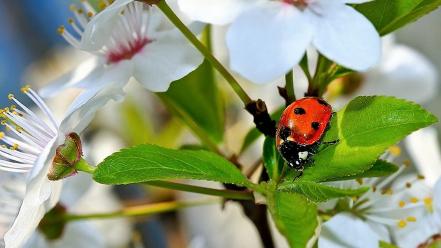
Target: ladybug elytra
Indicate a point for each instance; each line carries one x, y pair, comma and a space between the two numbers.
301, 128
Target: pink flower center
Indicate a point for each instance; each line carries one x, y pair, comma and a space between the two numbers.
301, 4
125, 52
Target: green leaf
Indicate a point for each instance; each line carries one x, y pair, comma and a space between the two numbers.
196, 100
272, 160
389, 15
150, 162
319, 192
295, 217
365, 128
384, 244
435, 244
253, 134
380, 168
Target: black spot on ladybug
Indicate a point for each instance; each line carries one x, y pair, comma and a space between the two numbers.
322, 102
315, 125
299, 111
284, 133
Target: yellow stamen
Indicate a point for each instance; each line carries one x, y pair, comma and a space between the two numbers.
61, 30
395, 150
11, 96
407, 163
428, 202
89, 14
70, 21
411, 219
388, 191
14, 147
414, 200
25, 89
2, 135
402, 204
401, 224
72, 7
421, 177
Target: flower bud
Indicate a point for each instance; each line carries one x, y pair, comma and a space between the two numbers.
52, 225
66, 157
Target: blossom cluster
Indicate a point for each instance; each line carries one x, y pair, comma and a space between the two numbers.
131, 39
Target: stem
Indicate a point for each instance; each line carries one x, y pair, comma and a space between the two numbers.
256, 108
229, 194
143, 210
204, 50
83, 166
288, 92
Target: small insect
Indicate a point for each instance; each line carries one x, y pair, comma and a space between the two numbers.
300, 130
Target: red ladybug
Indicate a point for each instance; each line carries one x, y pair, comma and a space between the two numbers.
300, 129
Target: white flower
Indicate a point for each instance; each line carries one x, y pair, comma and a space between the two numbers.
12, 190
33, 140
426, 227
128, 39
424, 148
402, 72
77, 234
267, 38
371, 217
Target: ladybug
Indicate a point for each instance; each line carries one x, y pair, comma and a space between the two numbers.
300, 130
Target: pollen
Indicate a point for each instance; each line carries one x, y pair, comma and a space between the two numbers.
61, 30
72, 7
408, 185
11, 96
388, 191
421, 177
70, 21
414, 200
25, 89
2, 135
395, 150
407, 163
411, 219
402, 204
89, 14
14, 147
402, 224
428, 203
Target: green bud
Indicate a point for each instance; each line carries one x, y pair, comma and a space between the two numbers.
52, 224
66, 158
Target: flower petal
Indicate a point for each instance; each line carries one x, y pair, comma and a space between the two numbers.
107, 87
335, 233
346, 37
84, 74
425, 151
41, 195
165, 60
403, 73
219, 12
437, 197
100, 26
266, 41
